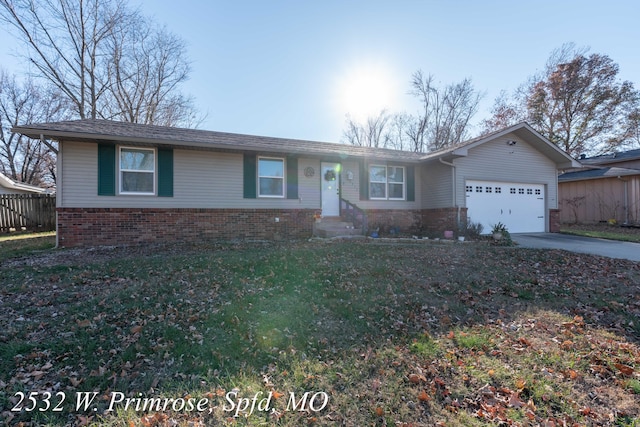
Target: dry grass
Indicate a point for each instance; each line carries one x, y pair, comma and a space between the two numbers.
394, 334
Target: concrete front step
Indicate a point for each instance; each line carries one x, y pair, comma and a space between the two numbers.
334, 228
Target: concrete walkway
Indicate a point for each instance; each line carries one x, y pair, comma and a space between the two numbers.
586, 245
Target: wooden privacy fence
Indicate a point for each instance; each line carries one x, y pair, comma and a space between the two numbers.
34, 212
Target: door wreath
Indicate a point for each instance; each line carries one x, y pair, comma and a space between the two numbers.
330, 175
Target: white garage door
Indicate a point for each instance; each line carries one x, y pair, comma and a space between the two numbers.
521, 207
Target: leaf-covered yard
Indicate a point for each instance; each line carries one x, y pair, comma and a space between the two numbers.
376, 333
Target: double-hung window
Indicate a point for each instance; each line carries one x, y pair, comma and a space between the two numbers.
137, 170
270, 177
387, 182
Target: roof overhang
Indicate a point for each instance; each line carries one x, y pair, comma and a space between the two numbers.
7, 182
131, 133
521, 130
121, 132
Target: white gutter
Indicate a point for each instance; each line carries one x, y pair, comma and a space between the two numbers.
59, 187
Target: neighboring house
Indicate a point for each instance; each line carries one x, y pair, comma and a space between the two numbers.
626, 159
9, 186
608, 188
128, 183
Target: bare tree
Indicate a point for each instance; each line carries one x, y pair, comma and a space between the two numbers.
108, 60
148, 66
21, 158
398, 133
577, 102
446, 112
443, 119
372, 133
64, 40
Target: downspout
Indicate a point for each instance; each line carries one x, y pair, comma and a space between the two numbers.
58, 179
626, 199
455, 193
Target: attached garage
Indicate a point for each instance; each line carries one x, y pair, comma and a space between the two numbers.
519, 206
510, 176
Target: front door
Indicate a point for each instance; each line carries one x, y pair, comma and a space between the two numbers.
330, 179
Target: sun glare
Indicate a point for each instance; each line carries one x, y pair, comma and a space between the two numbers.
365, 91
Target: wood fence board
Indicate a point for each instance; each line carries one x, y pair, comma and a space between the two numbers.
34, 212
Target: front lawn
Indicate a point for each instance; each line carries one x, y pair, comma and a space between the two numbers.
16, 244
319, 333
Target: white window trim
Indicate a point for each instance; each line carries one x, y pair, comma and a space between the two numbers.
404, 183
386, 192
386, 182
283, 177
120, 171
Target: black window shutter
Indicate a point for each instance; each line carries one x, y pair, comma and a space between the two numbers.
250, 175
106, 170
364, 181
411, 183
292, 177
165, 172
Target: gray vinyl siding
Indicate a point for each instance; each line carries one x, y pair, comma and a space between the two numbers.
437, 188
202, 179
350, 189
497, 161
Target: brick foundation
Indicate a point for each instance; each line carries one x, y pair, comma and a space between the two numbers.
436, 221
118, 226
125, 226
407, 221
431, 222
554, 220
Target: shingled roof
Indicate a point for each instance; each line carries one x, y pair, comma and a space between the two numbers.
612, 157
610, 172
133, 133
105, 130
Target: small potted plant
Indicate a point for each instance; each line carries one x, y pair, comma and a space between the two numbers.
462, 230
498, 231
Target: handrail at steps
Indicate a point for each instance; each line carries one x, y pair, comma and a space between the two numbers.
352, 213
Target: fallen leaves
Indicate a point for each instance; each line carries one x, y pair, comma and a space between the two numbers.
557, 329
423, 396
624, 369
416, 378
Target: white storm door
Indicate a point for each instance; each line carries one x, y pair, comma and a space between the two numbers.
330, 181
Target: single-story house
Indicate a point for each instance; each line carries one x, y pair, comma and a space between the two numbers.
129, 183
607, 188
9, 186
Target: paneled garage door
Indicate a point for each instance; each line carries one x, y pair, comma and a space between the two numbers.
521, 207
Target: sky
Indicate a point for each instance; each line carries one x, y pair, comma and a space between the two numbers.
295, 69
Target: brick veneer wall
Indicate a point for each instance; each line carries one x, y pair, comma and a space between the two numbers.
117, 226
554, 220
408, 221
436, 221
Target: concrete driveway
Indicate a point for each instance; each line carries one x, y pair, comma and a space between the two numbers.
587, 245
